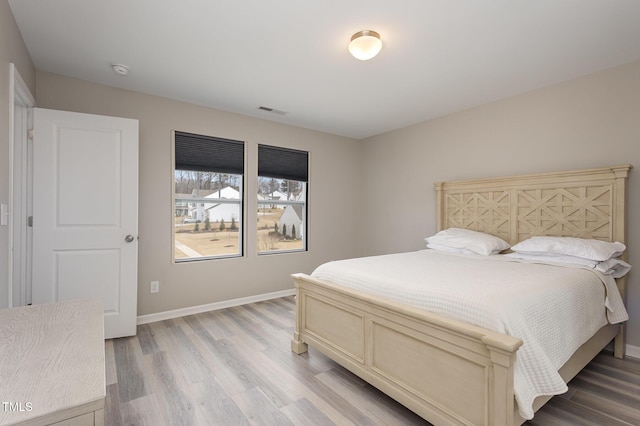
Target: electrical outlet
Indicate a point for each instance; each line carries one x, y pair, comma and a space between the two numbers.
155, 286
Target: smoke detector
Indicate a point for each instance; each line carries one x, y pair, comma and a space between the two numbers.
120, 69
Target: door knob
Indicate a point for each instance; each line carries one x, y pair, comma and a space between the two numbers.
128, 238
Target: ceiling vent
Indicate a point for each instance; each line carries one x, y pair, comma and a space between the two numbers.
272, 110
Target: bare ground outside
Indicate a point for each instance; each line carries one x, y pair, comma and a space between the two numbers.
214, 242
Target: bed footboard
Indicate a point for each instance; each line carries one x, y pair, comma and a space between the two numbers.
447, 371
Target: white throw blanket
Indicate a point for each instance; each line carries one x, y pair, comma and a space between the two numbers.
554, 309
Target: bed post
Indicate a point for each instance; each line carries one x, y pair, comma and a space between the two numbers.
297, 345
620, 233
440, 216
503, 356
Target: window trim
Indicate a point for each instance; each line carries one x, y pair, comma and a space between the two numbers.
242, 235
292, 174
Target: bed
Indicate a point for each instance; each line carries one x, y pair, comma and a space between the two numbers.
447, 370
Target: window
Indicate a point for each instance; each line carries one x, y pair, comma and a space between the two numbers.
208, 194
282, 199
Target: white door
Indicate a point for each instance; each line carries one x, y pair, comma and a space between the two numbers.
85, 213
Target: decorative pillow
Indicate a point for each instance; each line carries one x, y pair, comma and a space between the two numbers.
568, 246
461, 239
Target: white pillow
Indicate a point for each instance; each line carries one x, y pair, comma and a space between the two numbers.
615, 267
568, 246
554, 258
440, 247
476, 242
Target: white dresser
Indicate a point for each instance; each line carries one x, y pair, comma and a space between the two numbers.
52, 364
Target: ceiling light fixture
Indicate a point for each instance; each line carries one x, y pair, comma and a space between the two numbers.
120, 69
365, 45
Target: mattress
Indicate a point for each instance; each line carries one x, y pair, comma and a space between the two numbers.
553, 308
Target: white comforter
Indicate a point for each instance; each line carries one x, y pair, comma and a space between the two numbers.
553, 309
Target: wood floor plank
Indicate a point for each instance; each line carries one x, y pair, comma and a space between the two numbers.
287, 304
334, 405
268, 314
112, 404
608, 389
381, 408
543, 418
109, 363
271, 385
215, 405
617, 409
303, 412
305, 366
156, 339
583, 415
130, 373
629, 365
301, 384
144, 411
179, 408
229, 360
214, 326
259, 409
235, 367
262, 324
146, 338
628, 378
221, 319
596, 397
183, 347
227, 372
251, 333
194, 323
242, 362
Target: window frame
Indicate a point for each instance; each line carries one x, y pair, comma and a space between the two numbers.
240, 201
298, 172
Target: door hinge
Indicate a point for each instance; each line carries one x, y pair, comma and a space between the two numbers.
30, 134
30, 221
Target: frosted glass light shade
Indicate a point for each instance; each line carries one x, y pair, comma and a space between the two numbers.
365, 45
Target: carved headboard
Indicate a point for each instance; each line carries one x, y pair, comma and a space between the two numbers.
583, 203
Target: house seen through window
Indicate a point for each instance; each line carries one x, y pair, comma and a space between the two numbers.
208, 196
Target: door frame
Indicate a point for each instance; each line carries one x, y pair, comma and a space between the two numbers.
21, 103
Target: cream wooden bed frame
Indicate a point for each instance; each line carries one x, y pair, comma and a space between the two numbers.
451, 372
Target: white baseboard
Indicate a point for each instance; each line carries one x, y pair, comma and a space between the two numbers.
633, 351
191, 310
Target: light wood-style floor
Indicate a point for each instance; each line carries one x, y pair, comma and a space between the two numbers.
235, 367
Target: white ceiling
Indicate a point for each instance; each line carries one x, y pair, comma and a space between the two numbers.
438, 56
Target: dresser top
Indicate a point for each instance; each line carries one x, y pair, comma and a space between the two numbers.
51, 360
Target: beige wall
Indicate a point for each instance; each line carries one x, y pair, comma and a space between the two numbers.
592, 121
332, 210
12, 50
